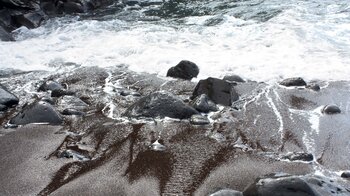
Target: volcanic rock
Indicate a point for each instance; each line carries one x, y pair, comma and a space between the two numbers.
6, 98
185, 70
4, 35
29, 20
331, 109
277, 185
219, 91
293, 82
160, 104
345, 174
202, 103
61, 92
38, 112
50, 85
233, 78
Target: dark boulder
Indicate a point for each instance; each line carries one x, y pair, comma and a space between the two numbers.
61, 92
5, 19
48, 100
293, 82
203, 104
281, 184
50, 85
38, 112
160, 104
6, 98
4, 35
331, 109
345, 174
299, 156
185, 70
29, 20
233, 78
198, 119
226, 192
219, 91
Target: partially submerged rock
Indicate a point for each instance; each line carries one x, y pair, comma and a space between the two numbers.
293, 82
219, 91
233, 78
38, 112
345, 174
7, 98
331, 109
185, 70
160, 104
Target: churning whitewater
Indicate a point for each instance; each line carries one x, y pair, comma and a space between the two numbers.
262, 40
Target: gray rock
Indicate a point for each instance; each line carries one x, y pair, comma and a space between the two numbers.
331, 109
345, 174
61, 92
38, 112
50, 85
29, 20
4, 35
219, 91
185, 70
6, 98
277, 185
227, 192
233, 78
203, 104
293, 82
160, 104
198, 119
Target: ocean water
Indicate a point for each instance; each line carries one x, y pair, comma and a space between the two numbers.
262, 40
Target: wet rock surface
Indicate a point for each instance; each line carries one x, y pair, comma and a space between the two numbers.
293, 82
198, 119
38, 112
160, 104
151, 154
219, 91
227, 192
202, 103
7, 98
